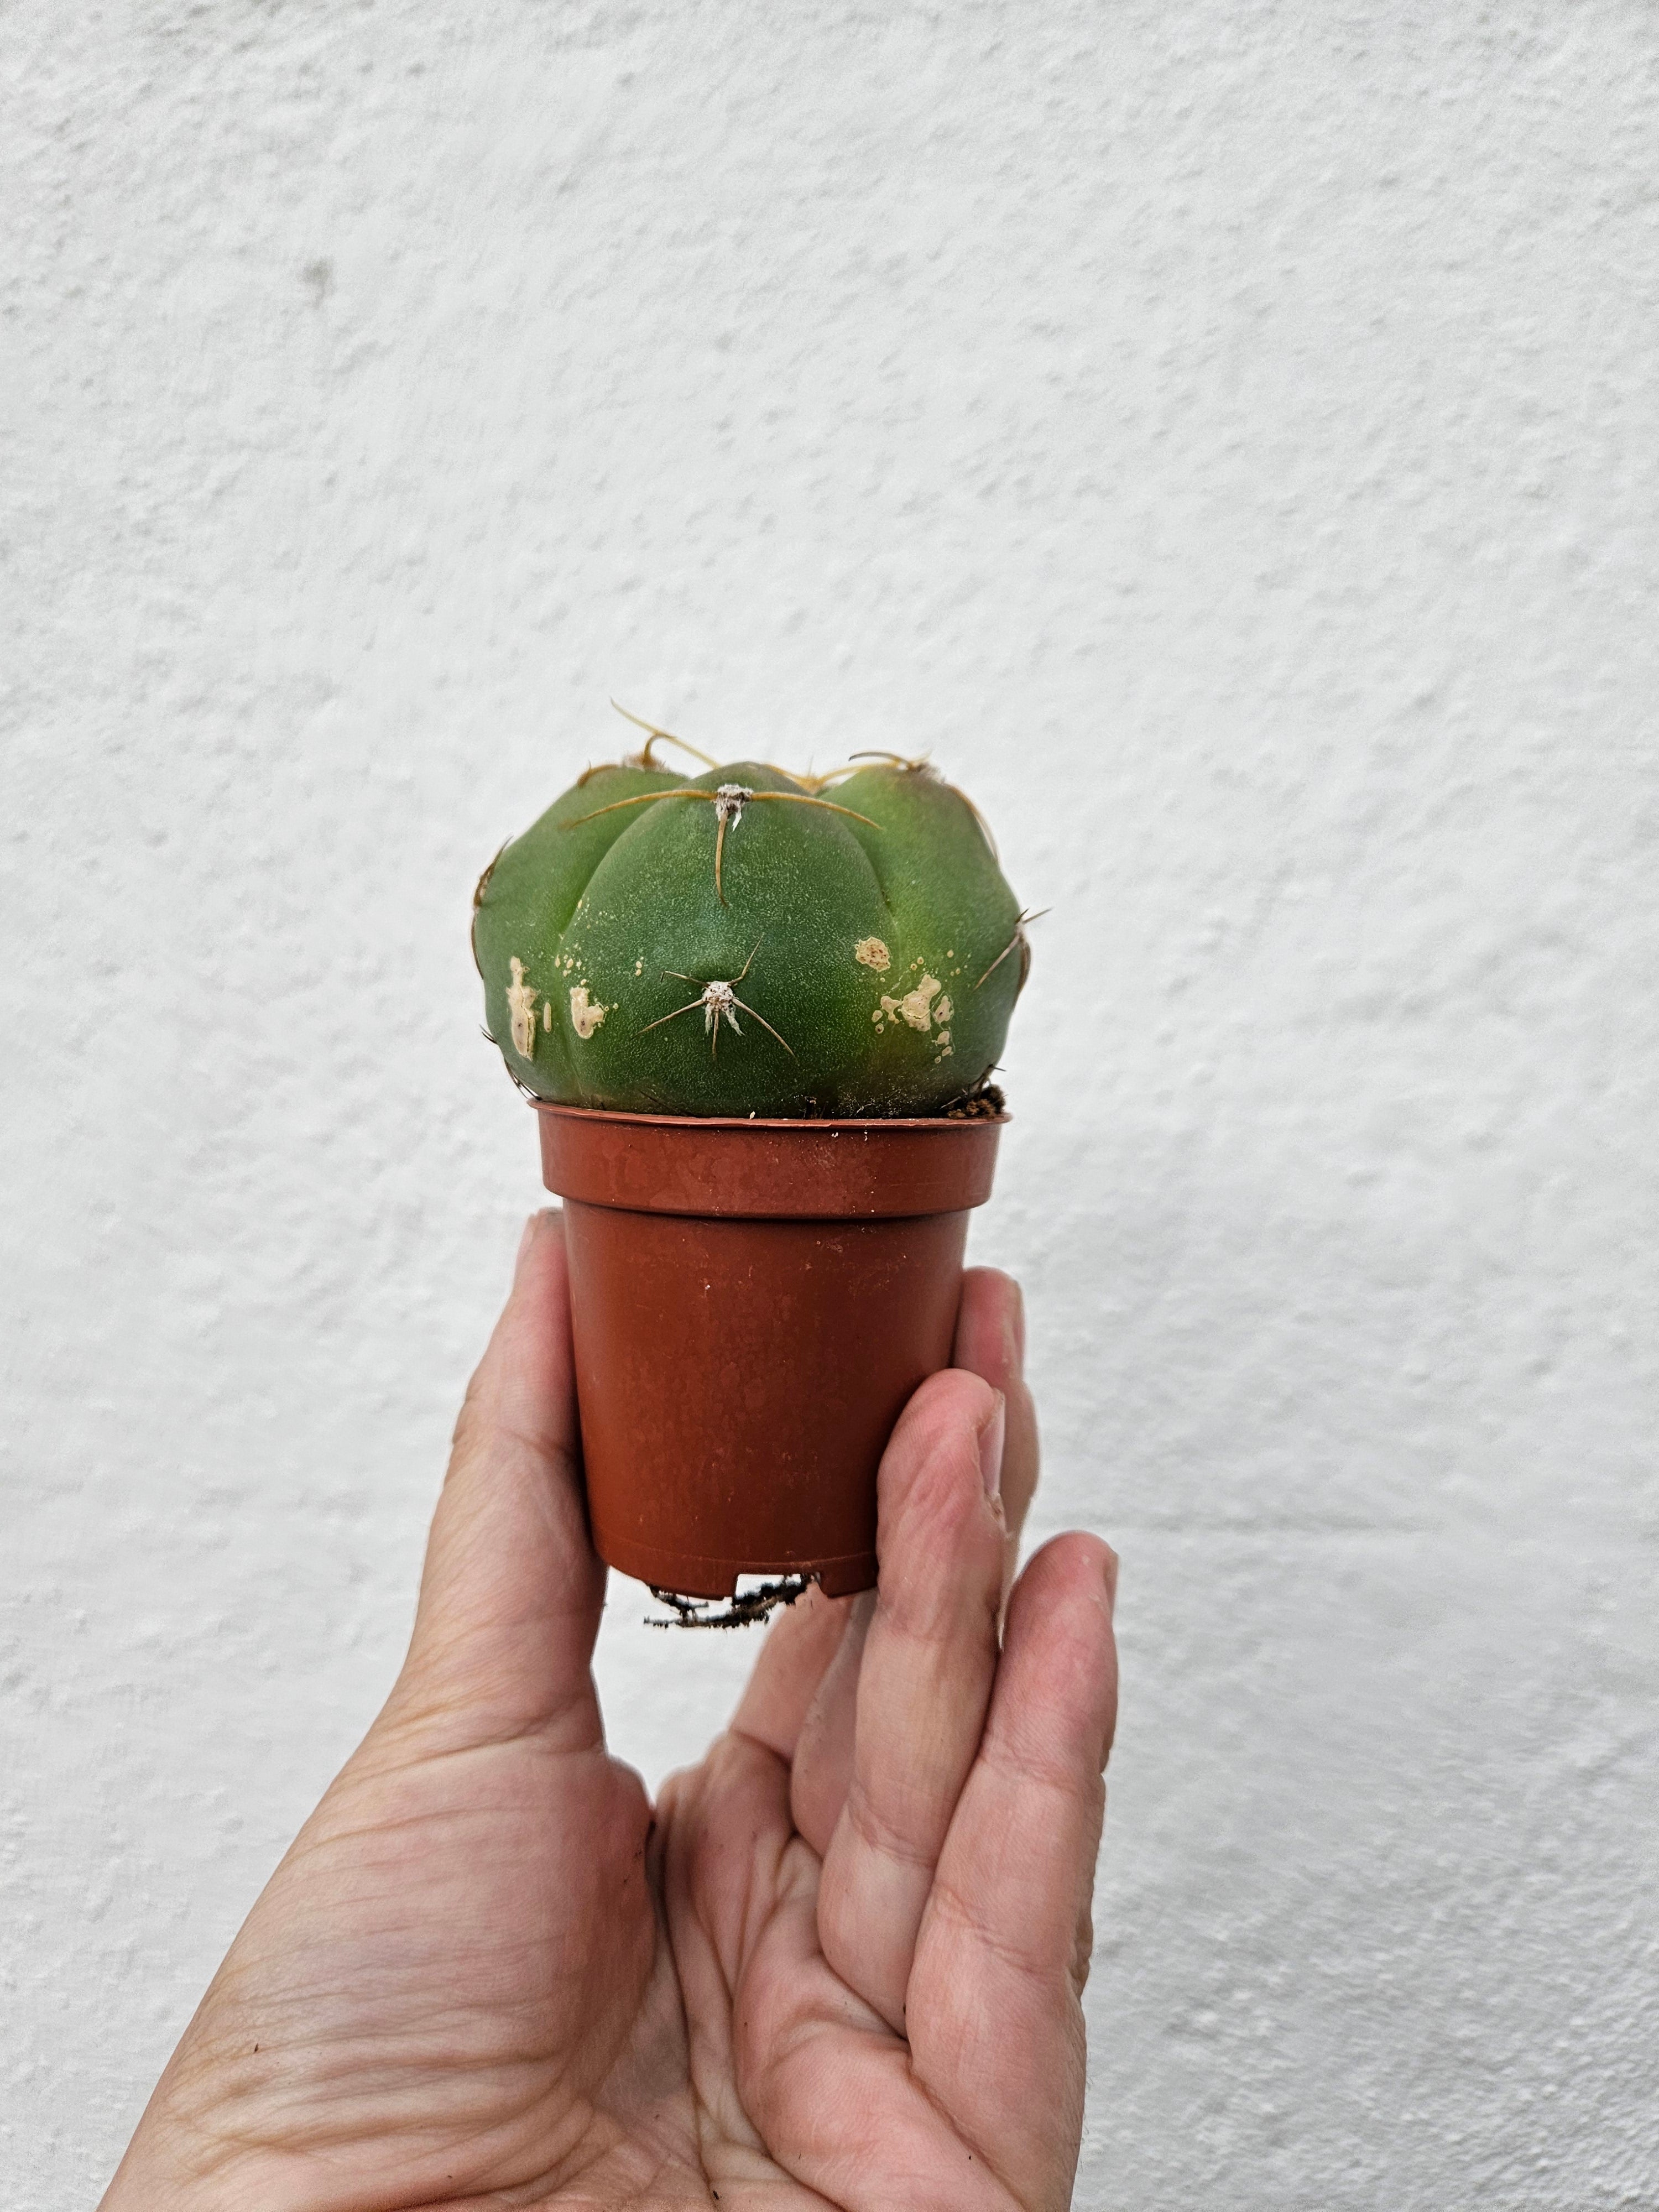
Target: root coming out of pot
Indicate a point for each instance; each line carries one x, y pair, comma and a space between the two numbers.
740, 1612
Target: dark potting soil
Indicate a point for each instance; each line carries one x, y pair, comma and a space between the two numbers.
983, 1103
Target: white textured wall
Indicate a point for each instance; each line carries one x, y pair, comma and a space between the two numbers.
1227, 434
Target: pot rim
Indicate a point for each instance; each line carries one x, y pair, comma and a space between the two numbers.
790, 1170
780, 1122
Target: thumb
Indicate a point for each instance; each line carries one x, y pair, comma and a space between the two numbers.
511, 1594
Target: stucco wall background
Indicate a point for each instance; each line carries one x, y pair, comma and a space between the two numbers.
1226, 435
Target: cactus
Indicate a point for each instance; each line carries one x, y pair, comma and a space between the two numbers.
746, 942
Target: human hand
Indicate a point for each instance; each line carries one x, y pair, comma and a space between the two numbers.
842, 1968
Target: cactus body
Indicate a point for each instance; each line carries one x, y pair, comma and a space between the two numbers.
859, 954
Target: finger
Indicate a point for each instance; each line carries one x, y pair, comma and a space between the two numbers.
995, 2012
990, 1342
822, 1766
511, 1594
923, 1684
799, 1646
789, 1680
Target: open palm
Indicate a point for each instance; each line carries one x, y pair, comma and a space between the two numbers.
840, 1965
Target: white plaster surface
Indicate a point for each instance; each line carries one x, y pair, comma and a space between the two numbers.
1226, 433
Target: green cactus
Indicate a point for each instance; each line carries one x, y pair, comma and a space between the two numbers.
745, 942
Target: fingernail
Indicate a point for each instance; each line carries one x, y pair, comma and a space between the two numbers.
1017, 1328
526, 1240
990, 1448
1111, 1578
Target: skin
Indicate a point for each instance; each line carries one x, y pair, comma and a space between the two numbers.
840, 1964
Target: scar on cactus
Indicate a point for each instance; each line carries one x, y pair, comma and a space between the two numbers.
586, 1014
521, 1009
717, 999
916, 1008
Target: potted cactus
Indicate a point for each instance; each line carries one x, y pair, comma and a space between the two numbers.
757, 1014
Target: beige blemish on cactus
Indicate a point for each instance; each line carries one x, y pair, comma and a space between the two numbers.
547, 1015
521, 1012
942, 1014
872, 953
915, 1007
585, 1015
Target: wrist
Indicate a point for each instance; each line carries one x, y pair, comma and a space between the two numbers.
177, 2164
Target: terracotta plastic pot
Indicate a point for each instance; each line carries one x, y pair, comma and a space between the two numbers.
753, 1303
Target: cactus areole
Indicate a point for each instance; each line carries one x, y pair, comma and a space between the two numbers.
745, 942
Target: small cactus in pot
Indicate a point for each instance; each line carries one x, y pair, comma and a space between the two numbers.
745, 942
757, 1014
